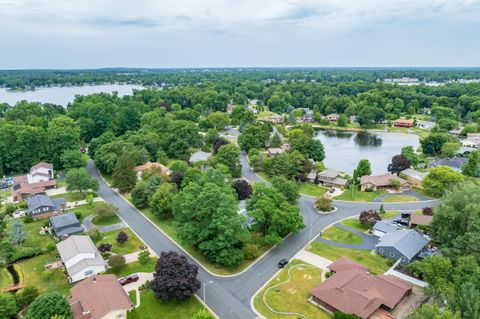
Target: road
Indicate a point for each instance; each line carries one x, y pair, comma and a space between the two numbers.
230, 297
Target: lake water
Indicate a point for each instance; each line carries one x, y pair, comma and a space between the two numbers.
63, 95
344, 150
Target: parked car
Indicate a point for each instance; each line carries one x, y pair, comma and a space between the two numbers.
128, 279
331, 190
282, 263
406, 215
402, 222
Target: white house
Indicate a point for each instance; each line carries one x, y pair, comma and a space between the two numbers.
40, 173
80, 257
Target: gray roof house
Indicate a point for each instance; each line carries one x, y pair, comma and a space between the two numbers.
42, 206
199, 156
405, 244
330, 177
456, 163
381, 228
65, 225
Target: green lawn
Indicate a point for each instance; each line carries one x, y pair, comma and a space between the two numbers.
130, 246
34, 239
152, 308
357, 195
132, 294
84, 210
422, 192
264, 114
61, 184
312, 189
399, 198
355, 224
340, 235
114, 219
293, 295
376, 264
133, 267
70, 197
6, 279
390, 214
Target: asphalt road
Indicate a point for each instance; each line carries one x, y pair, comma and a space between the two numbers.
230, 297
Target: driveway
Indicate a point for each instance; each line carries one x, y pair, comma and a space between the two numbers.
88, 224
369, 241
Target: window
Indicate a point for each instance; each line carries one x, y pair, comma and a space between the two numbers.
88, 273
392, 254
380, 250
404, 259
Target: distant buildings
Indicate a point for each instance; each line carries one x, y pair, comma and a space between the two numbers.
37, 181
42, 206
381, 182
427, 125
413, 177
403, 123
472, 140
456, 163
329, 178
274, 118
332, 117
162, 169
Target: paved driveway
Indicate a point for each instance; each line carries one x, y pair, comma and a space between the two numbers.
88, 224
369, 241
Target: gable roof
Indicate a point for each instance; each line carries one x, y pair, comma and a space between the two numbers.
148, 165
413, 173
65, 224
37, 201
345, 263
381, 180
199, 156
98, 295
75, 245
407, 241
329, 173
41, 165
385, 227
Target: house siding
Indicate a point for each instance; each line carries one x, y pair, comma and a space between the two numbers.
392, 253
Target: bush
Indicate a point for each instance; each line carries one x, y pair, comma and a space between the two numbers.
24, 253
51, 247
369, 217
104, 247
369, 190
122, 237
26, 296
10, 209
323, 204
341, 315
116, 261
251, 251
144, 256
427, 211
28, 219
95, 234
104, 211
78, 215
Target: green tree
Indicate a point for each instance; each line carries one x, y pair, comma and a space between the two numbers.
290, 189
26, 296
363, 168
468, 301
16, 232
254, 136
124, 176
211, 136
144, 256
8, 307
79, 180
63, 134
440, 179
72, 159
229, 155
48, 305
218, 120
161, 202
276, 140
342, 120
409, 153
104, 210
307, 146
432, 312
432, 144
472, 167
116, 261
139, 195
450, 149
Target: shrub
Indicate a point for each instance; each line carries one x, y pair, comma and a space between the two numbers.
369, 190
369, 217
51, 247
144, 256
324, 204
122, 237
427, 211
243, 189
116, 261
251, 251
78, 215
10, 209
104, 247
26, 296
95, 234
28, 219
104, 211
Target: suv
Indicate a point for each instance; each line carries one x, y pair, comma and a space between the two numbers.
282, 263
128, 279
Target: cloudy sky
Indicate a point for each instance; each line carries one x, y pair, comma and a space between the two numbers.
215, 33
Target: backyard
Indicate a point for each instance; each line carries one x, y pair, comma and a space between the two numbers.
340, 235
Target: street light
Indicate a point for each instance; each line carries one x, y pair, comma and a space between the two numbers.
204, 285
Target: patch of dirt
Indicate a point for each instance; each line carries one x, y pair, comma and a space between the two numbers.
291, 290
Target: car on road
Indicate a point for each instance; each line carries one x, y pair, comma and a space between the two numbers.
282, 263
128, 279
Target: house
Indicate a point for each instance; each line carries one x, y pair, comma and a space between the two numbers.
404, 244
99, 297
275, 151
307, 116
199, 156
331, 178
80, 257
353, 290
423, 220
412, 176
403, 123
456, 163
65, 225
332, 117
381, 182
381, 228
472, 140
252, 109
274, 118
42, 206
427, 125
353, 119
37, 181
164, 171
455, 132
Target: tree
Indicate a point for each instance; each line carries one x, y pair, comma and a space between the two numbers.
79, 180
439, 179
307, 146
72, 159
254, 136
161, 202
472, 166
450, 149
468, 301
124, 176
116, 261
139, 195
89, 199
62, 134
381, 211
219, 142
26, 296
229, 155
122, 237
432, 312
211, 136
218, 120
363, 168
49, 304
202, 313
243, 189
395, 184
290, 189
342, 120
409, 153
323, 204
432, 144
104, 210
276, 140
144, 256
105, 247
369, 217
174, 277
398, 164
8, 307
16, 232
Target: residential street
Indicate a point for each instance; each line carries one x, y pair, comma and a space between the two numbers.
230, 297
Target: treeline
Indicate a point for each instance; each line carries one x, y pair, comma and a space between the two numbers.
28, 79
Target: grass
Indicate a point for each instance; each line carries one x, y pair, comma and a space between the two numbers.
312, 189
114, 219
34, 239
6, 279
84, 210
358, 196
340, 235
71, 197
389, 214
303, 279
61, 184
376, 264
152, 308
130, 246
132, 294
399, 198
355, 224
264, 114
133, 267
422, 192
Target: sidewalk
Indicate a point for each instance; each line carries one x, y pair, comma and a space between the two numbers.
143, 278
130, 258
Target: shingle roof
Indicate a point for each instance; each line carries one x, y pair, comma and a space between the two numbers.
407, 241
329, 173
384, 227
82, 264
415, 174
38, 201
420, 219
75, 245
64, 220
41, 164
381, 180
199, 156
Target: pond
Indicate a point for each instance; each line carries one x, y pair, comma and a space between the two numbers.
344, 149
62, 95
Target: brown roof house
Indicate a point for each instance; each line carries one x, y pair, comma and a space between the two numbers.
412, 176
382, 182
403, 123
99, 297
353, 290
37, 181
154, 166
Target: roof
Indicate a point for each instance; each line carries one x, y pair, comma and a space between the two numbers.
345, 263
38, 201
413, 173
454, 162
407, 241
98, 294
404, 121
149, 165
381, 180
41, 165
65, 224
275, 150
353, 290
199, 156
329, 173
84, 263
420, 219
384, 227
75, 245
33, 188
312, 175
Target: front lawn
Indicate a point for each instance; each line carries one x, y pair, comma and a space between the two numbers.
340, 235
114, 219
132, 294
355, 224
130, 246
399, 198
153, 308
71, 197
358, 196
133, 268
376, 264
84, 210
389, 214
312, 189
293, 295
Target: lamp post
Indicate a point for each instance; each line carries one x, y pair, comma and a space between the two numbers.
204, 285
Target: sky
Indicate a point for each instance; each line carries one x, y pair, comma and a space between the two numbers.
241, 33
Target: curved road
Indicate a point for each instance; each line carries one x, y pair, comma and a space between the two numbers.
230, 297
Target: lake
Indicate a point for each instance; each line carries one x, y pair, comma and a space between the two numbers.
345, 149
63, 95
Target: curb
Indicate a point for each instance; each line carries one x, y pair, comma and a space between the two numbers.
335, 208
